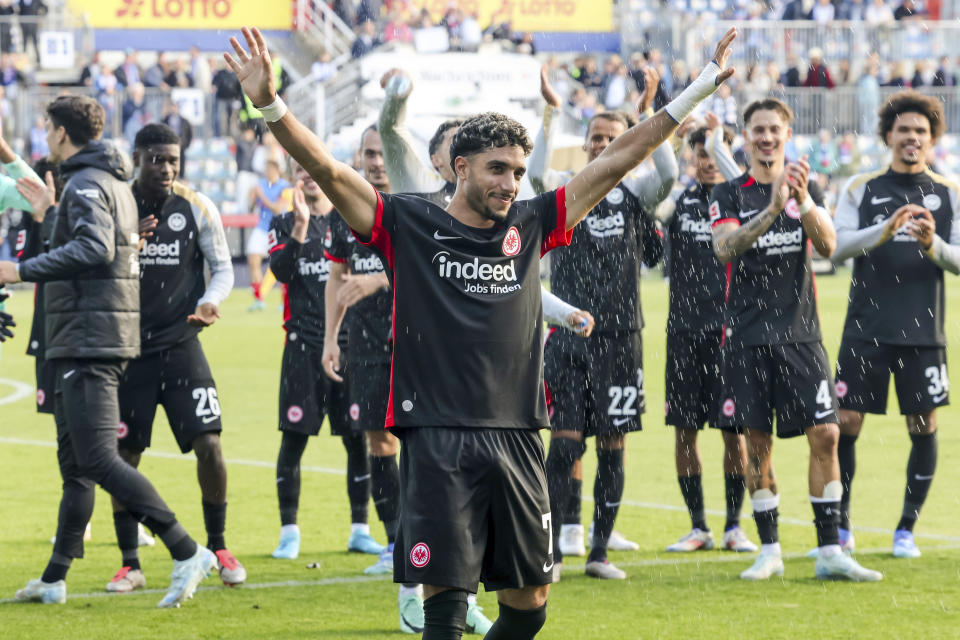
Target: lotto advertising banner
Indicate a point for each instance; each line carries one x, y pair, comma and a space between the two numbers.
535, 15
184, 14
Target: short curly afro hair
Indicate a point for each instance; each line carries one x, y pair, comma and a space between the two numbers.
911, 102
488, 131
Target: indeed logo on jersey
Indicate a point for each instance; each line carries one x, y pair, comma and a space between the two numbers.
777, 242
160, 253
320, 268
701, 228
370, 264
606, 226
476, 276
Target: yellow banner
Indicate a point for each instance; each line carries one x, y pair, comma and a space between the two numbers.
184, 14
534, 15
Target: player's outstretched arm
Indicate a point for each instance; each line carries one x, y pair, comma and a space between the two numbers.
853, 241
589, 186
404, 169
945, 254
651, 185
730, 238
816, 221
542, 177
718, 150
333, 318
350, 193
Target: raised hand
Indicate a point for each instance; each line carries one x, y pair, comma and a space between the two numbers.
40, 196
780, 193
722, 54
301, 212
403, 86
900, 217
581, 323
923, 227
204, 315
712, 120
550, 96
651, 82
253, 69
798, 177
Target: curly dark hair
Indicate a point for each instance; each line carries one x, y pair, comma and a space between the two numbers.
699, 136
442, 131
768, 104
81, 116
488, 131
911, 102
155, 133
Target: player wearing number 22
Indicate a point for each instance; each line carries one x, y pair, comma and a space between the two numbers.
900, 225
180, 232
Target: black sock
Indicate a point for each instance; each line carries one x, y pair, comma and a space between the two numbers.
826, 517
564, 452
516, 624
920, 467
445, 615
215, 520
128, 537
847, 454
607, 493
691, 487
292, 445
358, 477
571, 513
736, 487
385, 489
767, 525
57, 568
178, 541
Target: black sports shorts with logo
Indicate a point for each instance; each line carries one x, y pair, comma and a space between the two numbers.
307, 394
595, 384
693, 379
180, 380
369, 392
792, 380
919, 376
473, 507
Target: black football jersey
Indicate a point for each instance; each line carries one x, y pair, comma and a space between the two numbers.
896, 292
303, 269
172, 279
370, 321
770, 293
600, 270
468, 333
28, 243
697, 279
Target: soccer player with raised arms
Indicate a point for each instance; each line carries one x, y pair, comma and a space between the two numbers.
466, 382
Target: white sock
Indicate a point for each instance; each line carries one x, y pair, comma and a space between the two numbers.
362, 527
406, 592
771, 549
287, 528
471, 599
830, 550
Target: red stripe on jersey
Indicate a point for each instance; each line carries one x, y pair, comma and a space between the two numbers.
333, 258
276, 248
20, 255
379, 237
286, 303
559, 237
749, 183
724, 221
389, 421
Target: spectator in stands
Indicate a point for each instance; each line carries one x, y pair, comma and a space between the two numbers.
615, 86
201, 75
853, 10
654, 58
923, 74
818, 75
909, 11
31, 12
396, 29
322, 69
156, 75
868, 97
589, 77
500, 27
879, 13
179, 76
366, 41
898, 75
6, 40
426, 20
128, 73
226, 98
791, 77
471, 35
246, 146
37, 146
797, 10
724, 105
679, 77
757, 84
10, 76
944, 77
182, 128
848, 156
106, 87
823, 12
90, 73
823, 153
134, 114
524, 43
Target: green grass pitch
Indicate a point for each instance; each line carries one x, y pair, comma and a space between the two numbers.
666, 596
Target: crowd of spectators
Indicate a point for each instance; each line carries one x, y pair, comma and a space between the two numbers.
869, 12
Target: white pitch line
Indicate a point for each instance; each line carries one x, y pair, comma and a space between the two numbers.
639, 504
21, 390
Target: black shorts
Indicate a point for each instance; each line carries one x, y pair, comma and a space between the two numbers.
919, 376
693, 379
307, 394
46, 384
369, 392
792, 379
595, 384
473, 507
180, 380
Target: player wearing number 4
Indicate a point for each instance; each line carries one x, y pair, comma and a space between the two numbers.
773, 358
900, 225
180, 232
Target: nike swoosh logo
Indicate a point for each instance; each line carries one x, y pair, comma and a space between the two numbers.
415, 628
747, 214
822, 414
876, 200
209, 419
69, 373
619, 421
919, 477
361, 478
547, 566
437, 236
691, 200
939, 397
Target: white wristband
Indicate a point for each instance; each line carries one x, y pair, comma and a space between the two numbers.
274, 111
705, 84
807, 206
